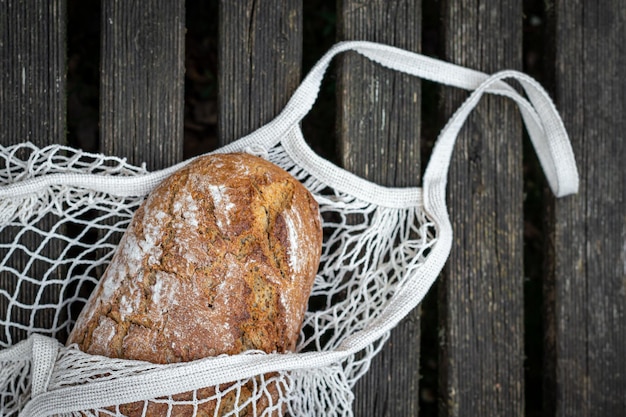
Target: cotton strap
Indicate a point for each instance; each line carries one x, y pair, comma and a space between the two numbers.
540, 116
544, 126
543, 123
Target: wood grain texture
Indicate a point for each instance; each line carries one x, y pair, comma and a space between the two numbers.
587, 280
481, 295
32, 54
32, 108
142, 80
378, 121
260, 55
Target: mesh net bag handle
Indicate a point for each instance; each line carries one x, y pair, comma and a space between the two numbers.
549, 149
547, 134
545, 129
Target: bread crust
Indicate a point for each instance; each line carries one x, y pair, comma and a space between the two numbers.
220, 258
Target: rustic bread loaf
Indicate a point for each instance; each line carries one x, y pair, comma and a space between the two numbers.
220, 258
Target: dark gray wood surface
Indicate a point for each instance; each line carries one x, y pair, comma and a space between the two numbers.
32, 55
142, 80
378, 130
32, 108
587, 281
260, 58
481, 293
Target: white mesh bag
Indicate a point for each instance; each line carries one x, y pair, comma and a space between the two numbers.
383, 248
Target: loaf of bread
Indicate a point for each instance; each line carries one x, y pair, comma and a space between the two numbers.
219, 259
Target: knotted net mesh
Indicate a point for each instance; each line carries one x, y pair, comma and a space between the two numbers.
57, 239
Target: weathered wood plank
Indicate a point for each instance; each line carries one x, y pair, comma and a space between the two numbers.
32, 108
481, 297
32, 53
587, 282
142, 80
379, 125
260, 55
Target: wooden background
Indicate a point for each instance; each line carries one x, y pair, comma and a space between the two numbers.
529, 316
